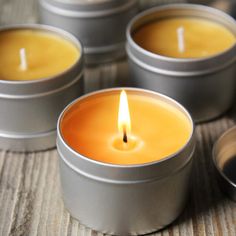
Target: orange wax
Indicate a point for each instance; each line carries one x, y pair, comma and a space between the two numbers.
202, 38
47, 54
158, 130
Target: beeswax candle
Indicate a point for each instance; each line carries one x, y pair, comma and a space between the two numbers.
157, 129
201, 37
44, 54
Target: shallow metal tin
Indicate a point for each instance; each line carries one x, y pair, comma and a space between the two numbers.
30, 109
100, 24
223, 150
125, 199
204, 86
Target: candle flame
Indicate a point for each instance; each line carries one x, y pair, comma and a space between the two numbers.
124, 124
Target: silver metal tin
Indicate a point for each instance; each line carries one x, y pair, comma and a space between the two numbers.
223, 150
30, 109
100, 25
146, 4
204, 86
125, 199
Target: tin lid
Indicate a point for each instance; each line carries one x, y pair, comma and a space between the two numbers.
88, 8
224, 159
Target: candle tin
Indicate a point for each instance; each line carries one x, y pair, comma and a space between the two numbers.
100, 25
125, 199
30, 109
224, 159
205, 86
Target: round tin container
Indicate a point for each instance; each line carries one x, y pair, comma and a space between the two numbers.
224, 159
125, 199
30, 109
205, 86
99, 24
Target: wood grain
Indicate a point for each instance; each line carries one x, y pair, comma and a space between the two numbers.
30, 198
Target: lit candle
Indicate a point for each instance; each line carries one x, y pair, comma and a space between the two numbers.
34, 54
132, 149
144, 129
195, 37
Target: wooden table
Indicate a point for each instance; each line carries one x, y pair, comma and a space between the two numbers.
30, 198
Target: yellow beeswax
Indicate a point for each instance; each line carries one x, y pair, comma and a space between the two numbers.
47, 54
202, 38
158, 129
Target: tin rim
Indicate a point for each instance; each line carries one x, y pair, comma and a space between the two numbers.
82, 1
215, 154
132, 45
104, 164
53, 30
28, 142
87, 10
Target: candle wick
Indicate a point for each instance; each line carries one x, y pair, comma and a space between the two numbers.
23, 59
180, 36
125, 137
